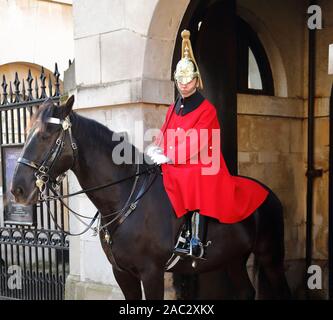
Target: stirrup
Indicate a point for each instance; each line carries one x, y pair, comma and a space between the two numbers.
198, 247
196, 258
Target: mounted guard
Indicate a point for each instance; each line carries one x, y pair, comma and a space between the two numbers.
195, 175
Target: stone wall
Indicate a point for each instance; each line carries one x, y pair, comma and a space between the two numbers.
273, 132
38, 32
323, 89
271, 149
115, 90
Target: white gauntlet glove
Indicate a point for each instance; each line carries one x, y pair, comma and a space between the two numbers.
156, 154
160, 159
152, 149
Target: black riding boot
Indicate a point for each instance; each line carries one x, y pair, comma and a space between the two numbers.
183, 245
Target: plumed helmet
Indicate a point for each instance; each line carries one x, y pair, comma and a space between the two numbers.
187, 68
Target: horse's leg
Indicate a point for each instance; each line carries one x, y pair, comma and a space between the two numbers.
153, 283
130, 285
272, 281
269, 249
239, 276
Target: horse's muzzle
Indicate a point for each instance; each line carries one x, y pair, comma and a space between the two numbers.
22, 198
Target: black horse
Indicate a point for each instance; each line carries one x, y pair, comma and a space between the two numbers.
144, 242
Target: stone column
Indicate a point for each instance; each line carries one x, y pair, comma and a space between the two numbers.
122, 78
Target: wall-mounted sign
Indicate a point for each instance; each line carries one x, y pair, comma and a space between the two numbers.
14, 213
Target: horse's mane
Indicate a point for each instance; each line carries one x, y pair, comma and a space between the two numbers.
89, 130
96, 133
45, 111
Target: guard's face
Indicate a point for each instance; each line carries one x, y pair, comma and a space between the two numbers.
187, 89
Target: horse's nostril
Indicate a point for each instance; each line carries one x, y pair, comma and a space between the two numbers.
17, 191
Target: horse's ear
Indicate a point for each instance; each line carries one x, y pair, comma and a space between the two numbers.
68, 106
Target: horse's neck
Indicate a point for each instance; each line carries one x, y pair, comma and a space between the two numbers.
94, 166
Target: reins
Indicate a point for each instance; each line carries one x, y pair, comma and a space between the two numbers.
110, 184
43, 180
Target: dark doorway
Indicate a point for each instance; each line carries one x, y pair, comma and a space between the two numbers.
213, 36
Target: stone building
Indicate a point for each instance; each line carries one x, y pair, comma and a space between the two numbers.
125, 53
31, 32
259, 69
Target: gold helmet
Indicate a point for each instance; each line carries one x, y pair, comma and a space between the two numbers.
187, 68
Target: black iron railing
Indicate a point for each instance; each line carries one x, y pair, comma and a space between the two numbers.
34, 260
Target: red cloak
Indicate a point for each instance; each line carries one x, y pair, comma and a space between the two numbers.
227, 198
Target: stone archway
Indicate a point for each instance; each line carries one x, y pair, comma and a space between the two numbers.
22, 69
273, 52
159, 49
161, 43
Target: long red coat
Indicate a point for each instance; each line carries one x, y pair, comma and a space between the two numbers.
227, 198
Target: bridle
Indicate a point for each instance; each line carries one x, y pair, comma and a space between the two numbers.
43, 180
42, 173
